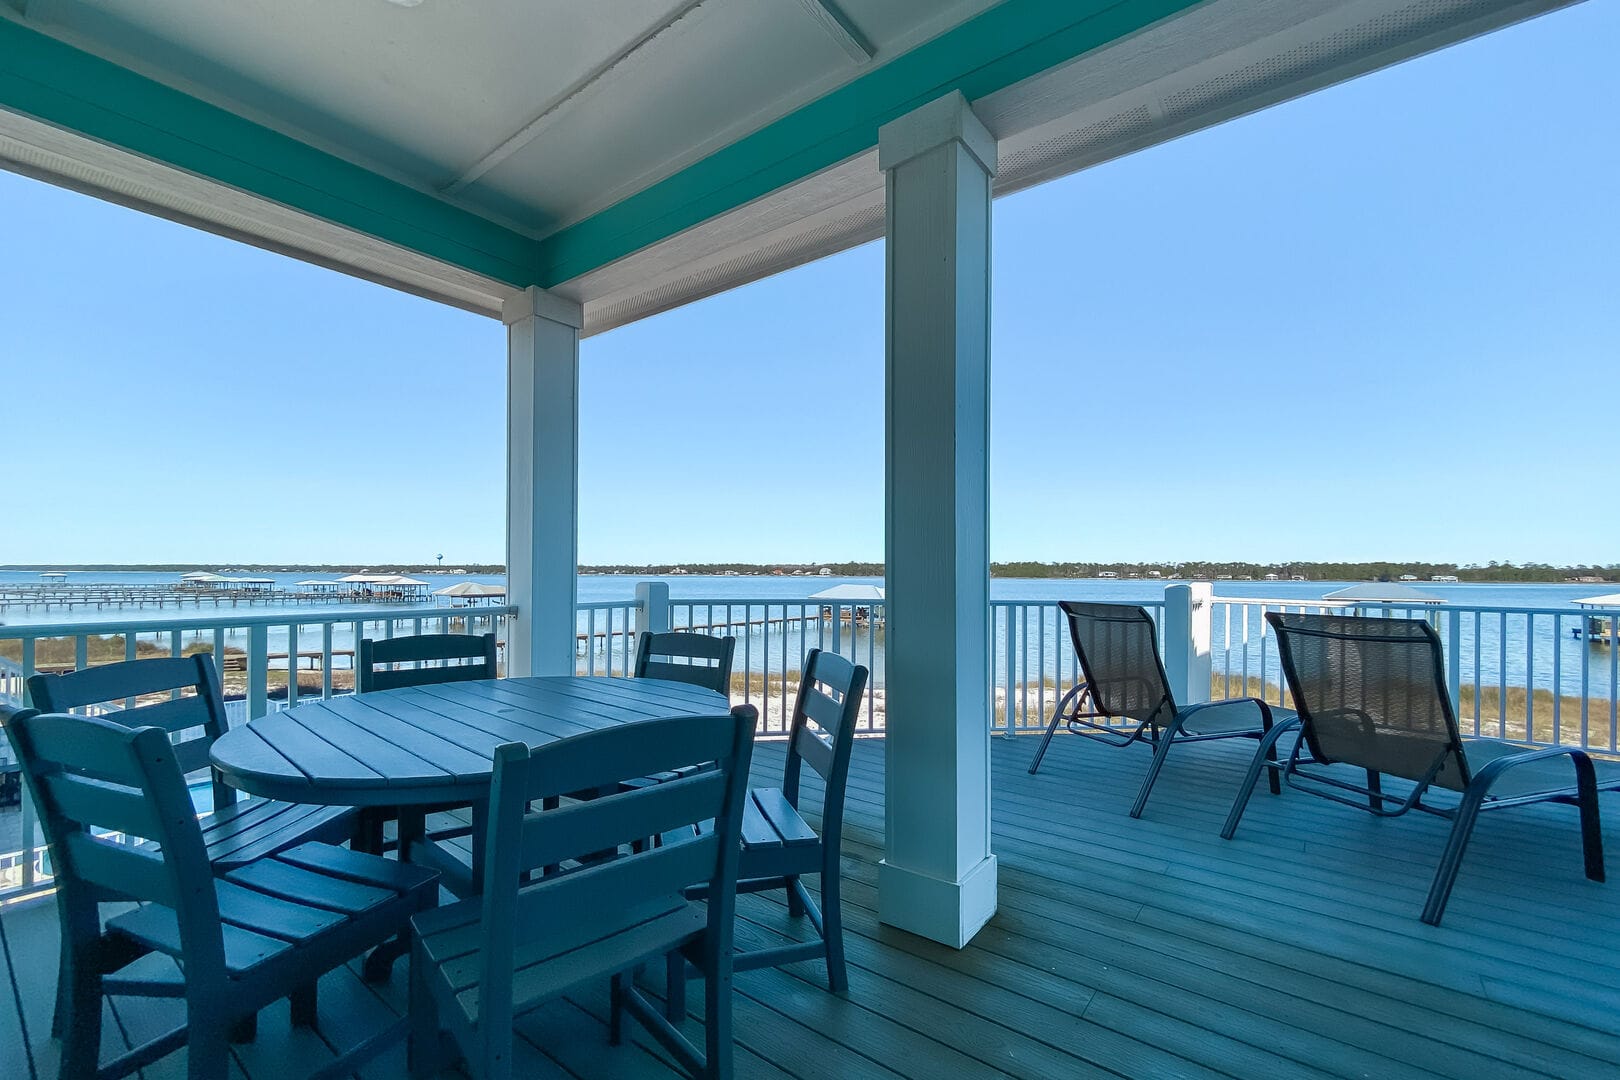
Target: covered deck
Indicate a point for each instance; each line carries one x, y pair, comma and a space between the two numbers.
1136, 948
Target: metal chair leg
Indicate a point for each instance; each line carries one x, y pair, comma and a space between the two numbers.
1058, 714
1445, 875
1161, 750
1264, 754
1591, 824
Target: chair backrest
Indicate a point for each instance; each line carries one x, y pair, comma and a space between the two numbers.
707, 660
1118, 649
90, 776
123, 685
823, 732
1372, 693
428, 656
581, 904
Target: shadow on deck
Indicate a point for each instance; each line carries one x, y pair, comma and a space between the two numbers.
1137, 948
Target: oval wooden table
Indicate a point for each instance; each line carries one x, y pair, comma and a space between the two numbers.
423, 745
431, 745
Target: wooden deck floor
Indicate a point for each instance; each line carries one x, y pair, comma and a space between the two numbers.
1133, 948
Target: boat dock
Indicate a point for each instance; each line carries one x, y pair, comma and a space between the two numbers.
47, 596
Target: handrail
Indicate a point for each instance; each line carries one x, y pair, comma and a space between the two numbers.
303, 616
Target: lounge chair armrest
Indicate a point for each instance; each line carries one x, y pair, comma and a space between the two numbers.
1493, 769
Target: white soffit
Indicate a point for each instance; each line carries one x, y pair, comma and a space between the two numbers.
69, 160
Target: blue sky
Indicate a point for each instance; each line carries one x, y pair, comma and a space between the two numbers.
1379, 322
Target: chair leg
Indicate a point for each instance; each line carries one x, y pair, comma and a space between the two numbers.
79, 999
1445, 875
675, 987
64, 981
245, 1030
717, 1022
832, 933
1046, 740
795, 905
1591, 824
1058, 713
303, 1002
208, 1051
422, 1038
616, 1010
1161, 750
1265, 752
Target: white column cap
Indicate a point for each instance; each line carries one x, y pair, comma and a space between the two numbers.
932, 125
539, 304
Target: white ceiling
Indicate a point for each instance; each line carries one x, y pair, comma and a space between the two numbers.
537, 112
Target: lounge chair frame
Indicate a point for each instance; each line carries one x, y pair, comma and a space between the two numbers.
1160, 723
1474, 785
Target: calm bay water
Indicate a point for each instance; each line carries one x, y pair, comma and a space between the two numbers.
1497, 649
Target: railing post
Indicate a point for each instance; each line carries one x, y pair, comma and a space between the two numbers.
1187, 660
652, 610
1454, 656
258, 671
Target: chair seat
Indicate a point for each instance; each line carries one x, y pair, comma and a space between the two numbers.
254, 828
552, 961
281, 905
776, 840
1226, 718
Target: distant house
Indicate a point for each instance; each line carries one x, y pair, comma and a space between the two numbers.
1154, 573
1407, 577
1273, 577
825, 571
1108, 573
1444, 579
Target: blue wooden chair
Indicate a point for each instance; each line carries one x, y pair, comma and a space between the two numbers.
680, 656
479, 963
239, 829
425, 660
122, 828
779, 848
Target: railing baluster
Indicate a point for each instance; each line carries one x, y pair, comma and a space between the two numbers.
1530, 678
326, 660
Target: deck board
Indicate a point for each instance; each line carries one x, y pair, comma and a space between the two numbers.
1126, 948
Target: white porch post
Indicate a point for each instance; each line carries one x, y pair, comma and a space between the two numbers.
542, 480
1188, 663
938, 877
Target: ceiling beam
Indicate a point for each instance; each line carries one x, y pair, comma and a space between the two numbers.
1004, 45
839, 27
551, 110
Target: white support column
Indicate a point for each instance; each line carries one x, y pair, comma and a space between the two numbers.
938, 877
542, 481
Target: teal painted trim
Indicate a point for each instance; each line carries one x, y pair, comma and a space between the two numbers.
69, 88
994, 50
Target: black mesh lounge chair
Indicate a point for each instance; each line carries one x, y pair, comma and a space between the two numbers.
1371, 693
1125, 697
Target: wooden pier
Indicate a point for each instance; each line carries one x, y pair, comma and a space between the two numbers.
47, 596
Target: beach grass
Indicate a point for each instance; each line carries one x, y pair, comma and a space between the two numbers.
99, 649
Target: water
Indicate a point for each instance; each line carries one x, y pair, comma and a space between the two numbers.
1500, 657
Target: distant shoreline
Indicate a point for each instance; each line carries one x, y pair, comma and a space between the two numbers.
1414, 573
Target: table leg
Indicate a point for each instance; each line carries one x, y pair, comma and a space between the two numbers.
379, 966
